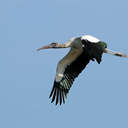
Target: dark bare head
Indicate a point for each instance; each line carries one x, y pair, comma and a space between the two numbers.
56, 45
52, 45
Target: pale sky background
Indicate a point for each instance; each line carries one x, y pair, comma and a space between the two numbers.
98, 97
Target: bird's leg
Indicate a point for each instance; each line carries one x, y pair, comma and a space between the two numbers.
114, 53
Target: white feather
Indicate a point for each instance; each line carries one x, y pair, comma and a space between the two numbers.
90, 38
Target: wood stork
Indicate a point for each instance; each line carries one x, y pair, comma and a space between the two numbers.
83, 49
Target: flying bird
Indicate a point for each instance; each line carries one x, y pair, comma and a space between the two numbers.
82, 50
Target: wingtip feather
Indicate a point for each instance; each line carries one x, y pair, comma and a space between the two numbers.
57, 96
54, 95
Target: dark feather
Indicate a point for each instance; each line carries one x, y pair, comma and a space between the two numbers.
54, 95
60, 97
94, 50
57, 97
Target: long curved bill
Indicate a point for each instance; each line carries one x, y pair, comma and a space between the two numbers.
115, 53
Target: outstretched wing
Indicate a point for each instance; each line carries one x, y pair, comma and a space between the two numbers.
67, 70
72, 65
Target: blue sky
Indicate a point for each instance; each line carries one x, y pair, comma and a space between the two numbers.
98, 97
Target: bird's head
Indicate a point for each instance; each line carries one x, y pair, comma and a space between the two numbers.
52, 45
